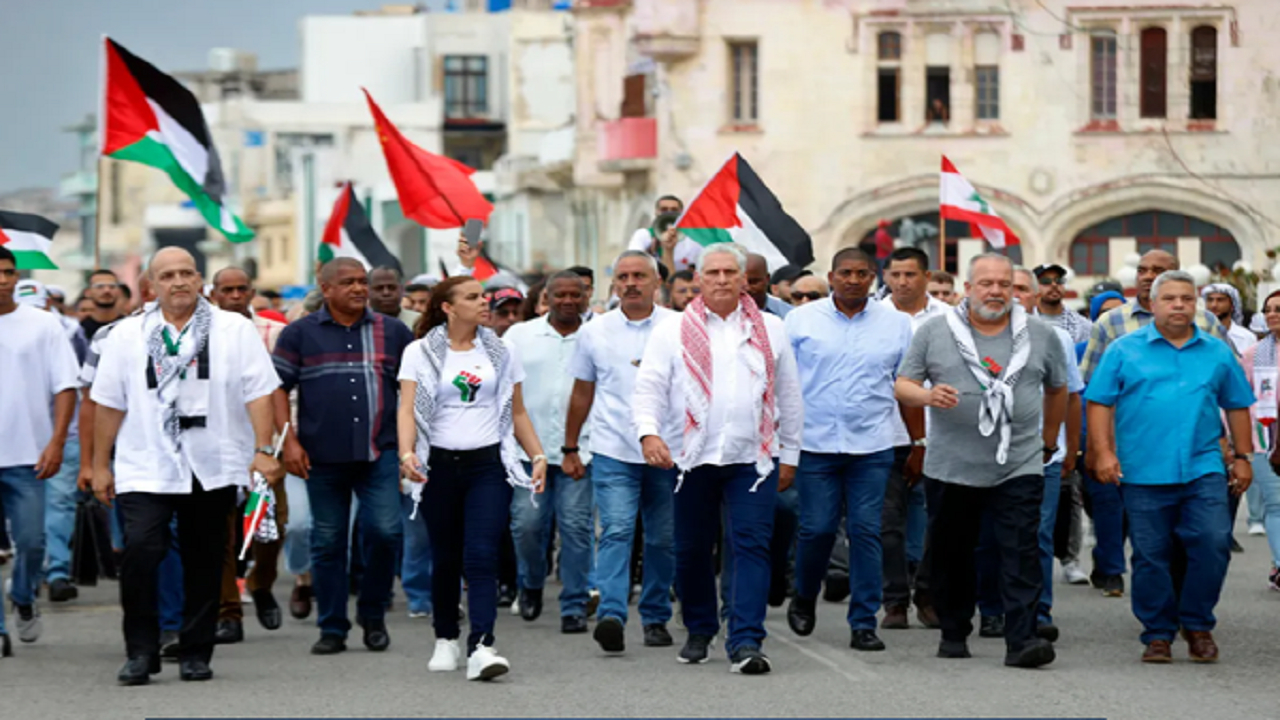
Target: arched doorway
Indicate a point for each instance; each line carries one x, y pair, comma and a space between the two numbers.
921, 231
1097, 249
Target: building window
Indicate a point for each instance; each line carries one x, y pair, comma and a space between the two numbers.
1091, 255
1153, 70
887, 95
744, 66
466, 86
1152, 230
294, 146
1103, 76
988, 82
1204, 73
889, 46
937, 94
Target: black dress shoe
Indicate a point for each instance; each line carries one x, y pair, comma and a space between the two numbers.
953, 649
268, 610
6, 646
1048, 631
1036, 653
61, 590
329, 645
375, 635
836, 588
169, 645
865, 640
300, 602
229, 632
611, 635
530, 603
573, 624
138, 670
802, 615
194, 669
991, 626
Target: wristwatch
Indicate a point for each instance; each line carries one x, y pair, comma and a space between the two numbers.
267, 450
1242, 456
919, 442
1050, 450
566, 450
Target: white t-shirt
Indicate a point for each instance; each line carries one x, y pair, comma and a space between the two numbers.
36, 362
687, 251
467, 406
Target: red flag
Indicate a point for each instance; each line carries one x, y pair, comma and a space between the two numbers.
435, 191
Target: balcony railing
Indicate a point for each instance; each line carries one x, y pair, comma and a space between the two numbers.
627, 144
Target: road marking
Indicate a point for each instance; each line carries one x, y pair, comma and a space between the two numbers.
858, 672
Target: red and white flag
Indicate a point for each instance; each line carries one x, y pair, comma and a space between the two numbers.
961, 201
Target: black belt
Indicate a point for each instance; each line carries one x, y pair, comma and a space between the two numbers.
492, 453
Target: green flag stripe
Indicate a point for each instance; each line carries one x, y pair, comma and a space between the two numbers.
33, 260
707, 236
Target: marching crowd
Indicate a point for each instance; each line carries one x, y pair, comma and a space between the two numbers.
715, 439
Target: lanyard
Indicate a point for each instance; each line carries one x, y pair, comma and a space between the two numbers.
170, 345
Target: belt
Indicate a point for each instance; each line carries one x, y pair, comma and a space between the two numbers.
491, 453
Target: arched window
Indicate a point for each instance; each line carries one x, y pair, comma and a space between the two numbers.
1204, 73
1153, 73
1152, 230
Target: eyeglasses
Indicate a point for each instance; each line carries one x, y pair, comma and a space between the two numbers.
104, 286
805, 296
1052, 281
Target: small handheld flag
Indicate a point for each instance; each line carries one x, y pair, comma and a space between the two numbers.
260, 509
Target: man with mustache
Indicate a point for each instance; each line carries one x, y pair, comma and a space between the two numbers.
989, 362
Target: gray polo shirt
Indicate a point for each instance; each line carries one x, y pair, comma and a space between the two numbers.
957, 452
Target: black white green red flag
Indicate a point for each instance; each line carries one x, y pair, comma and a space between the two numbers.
150, 118
736, 206
350, 234
29, 238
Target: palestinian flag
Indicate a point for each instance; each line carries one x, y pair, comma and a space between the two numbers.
736, 206
349, 234
30, 238
961, 201
150, 118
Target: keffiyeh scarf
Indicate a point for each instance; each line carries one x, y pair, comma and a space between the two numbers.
1264, 389
695, 350
168, 360
1237, 314
995, 412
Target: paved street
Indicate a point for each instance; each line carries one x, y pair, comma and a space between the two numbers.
71, 671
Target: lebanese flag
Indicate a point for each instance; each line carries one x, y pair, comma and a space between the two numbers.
30, 238
434, 191
736, 206
150, 118
350, 234
960, 201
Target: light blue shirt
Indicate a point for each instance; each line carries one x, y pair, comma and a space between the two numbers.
1167, 401
545, 354
847, 370
777, 306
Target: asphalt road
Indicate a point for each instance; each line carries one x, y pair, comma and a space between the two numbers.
71, 671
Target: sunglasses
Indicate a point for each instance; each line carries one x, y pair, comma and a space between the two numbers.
1052, 281
809, 296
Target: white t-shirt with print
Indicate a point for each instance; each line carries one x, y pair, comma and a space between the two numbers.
467, 404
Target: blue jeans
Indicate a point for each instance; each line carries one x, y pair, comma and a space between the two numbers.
297, 531
621, 491
917, 523
1196, 515
60, 512
856, 484
571, 502
169, 590
1108, 526
330, 487
786, 517
1268, 485
749, 520
1048, 520
415, 563
23, 496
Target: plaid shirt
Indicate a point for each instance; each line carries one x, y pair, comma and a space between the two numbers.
1076, 325
346, 380
1115, 324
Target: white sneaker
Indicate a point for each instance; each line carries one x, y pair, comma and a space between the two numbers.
485, 664
418, 614
515, 607
1072, 573
445, 658
29, 624
1257, 529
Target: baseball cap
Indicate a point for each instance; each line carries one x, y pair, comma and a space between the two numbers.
31, 292
788, 273
1049, 267
425, 279
1105, 286
503, 295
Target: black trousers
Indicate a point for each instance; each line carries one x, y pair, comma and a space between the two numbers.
955, 516
893, 537
202, 537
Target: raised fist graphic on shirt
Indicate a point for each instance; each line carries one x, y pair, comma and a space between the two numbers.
468, 385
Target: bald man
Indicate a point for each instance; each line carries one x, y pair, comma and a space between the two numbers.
757, 274
807, 289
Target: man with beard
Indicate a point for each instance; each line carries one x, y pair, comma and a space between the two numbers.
386, 295
1223, 301
989, 363
104, 291
683, 290
1053, 283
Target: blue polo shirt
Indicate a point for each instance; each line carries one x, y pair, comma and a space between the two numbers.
847, 369
1167, 402
346, 380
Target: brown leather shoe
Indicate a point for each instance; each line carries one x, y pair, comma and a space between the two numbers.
895, 618
1201, 646
1158, 651
927, 617
300, 602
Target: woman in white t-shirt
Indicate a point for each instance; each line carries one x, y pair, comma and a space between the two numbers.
461, 414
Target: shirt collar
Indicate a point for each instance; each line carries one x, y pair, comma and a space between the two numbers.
830, 303
1153, 335
544, 328
325, 317
643, 322
1134, 308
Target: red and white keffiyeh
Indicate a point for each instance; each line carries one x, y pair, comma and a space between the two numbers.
695, 349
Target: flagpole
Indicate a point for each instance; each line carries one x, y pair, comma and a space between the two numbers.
98, 210
942, 243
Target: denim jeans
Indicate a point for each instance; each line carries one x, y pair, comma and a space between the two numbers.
829, 483
917, 524
786, 514
1048, 520
1108, 526
330, 488
749, 521
169, 591
1196, 514
415, 562
23, 499
895, 531
466, 501
1267, 484
297, 530
621, 491
60, 513
570, 501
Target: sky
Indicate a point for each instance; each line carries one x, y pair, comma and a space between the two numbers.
49, 58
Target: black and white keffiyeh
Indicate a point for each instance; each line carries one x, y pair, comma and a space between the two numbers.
169, 369
995, 411
1264, 389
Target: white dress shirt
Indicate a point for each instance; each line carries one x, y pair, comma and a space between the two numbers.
733, 421
1241, 338
545, 354
219, 454
37, 363
933, 308
609, 354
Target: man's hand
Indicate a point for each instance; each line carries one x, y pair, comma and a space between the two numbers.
943, 397
466, 254
1106, 468
1069, 464
669, 238
268, 466
1241, 476
50, 460
539, 476
656, 452
786, 477
104, 485
84, 481
913, 471
295, 458
573, 467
